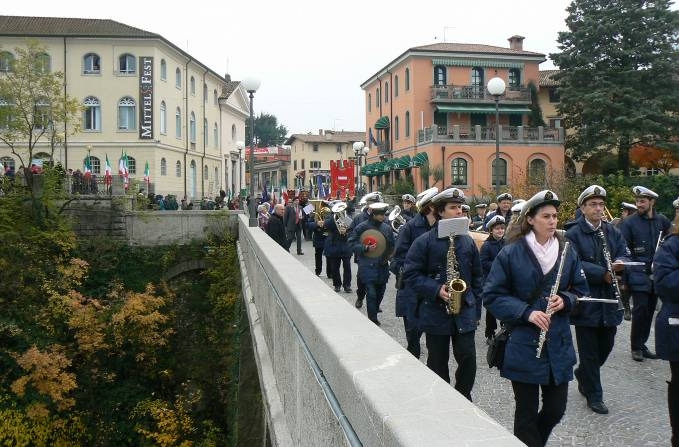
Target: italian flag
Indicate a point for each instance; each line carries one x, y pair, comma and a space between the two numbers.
122, 168
108, 172
147, 173
87, 169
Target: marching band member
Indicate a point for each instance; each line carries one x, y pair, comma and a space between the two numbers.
406, 299
517, 291
318, 235
489, 250
675, 204
626, 210
408, 205
666, 276
643, 231
465, 213
596, 323
426, 271
374, 271
481, 209
338, 252
504, 205
363, 215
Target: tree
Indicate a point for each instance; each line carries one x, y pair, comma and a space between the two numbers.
653, 157
33, 106
535, 118
267, 131
437, 175
618, 82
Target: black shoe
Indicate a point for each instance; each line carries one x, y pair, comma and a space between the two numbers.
638, 356
581, 390
300, 253
628, 315
337, 289
358, 303
598, 407
376, 322
329, 277
379, 310
318, 273
347, 289
649, 354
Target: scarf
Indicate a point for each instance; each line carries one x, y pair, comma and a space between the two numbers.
546, 254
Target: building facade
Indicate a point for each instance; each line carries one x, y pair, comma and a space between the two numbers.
431, 106
141, 95
271, 167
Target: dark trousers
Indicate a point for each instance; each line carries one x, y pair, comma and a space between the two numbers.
374, 293
673, 402
298, 237
318, 257
531, 426
412, 337
491, 324
643, 308
594, 346
345, 278
360, 287
464, 351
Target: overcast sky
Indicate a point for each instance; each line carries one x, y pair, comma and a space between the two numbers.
312, 56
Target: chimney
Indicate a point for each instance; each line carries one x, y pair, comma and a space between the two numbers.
227, 77
320, 131
516, 42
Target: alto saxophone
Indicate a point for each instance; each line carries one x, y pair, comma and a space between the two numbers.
455, 286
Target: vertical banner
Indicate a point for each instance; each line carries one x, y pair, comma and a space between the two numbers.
145, 97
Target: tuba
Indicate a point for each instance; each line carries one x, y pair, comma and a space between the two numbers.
339, 213
395, 219
455, 285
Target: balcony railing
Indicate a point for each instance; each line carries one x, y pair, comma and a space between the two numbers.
484, 134
473, 93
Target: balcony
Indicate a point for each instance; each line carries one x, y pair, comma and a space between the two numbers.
486, 135
477, 94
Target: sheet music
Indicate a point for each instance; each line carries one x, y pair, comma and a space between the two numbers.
308, 209
457, 226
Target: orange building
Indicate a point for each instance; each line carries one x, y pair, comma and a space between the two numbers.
430, 105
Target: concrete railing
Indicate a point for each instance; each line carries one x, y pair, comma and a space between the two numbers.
178, 227
331, 377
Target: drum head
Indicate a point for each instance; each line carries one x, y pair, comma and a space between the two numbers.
374, 237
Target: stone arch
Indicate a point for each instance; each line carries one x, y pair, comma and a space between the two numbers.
183, 267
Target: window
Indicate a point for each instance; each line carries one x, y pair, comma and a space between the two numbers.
6, 61
395, 86
204, 92
205, 131
407, 79
315, 165
178, 123
396, 126
555, 122
131, 165
514, 78
554, 95
163, 118
407, 126
652, 171
370, 104
95, 164
440, 75
163, 70
216, 174
234, 134
215, 136
459, 171
178, 78
315, 147
127, 64
192, 127
339, 148
386, 92
537, 171
42, 63
515, 120
205, 172
163, 167
502, 172
126, 114
178, 169
92, 113
215, 97
8, 162
91, 64
477, 78
41, 118
193, 85
302, 163
294, 165
477, 119
377, 97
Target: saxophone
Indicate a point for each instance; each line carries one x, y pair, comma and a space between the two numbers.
456, 286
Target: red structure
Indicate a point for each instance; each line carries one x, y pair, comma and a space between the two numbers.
342, 177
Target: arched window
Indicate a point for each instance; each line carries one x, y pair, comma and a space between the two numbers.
178, 78
126, 114
217, 175
407, 79
6, 61
43, 63
8, 162
458, 171
178, 168
440, 75
234, 133
215, 136
205, 173
537, 171
396, 126
131, 165
502, 172
92, 113
163, 166
386, 92
407, 126
127, 64
178, 123
91, 64
514, 78
370, 102
204, 92
215, 97
205, 141
395, 86
163, 118
163, 70
95, 164
192, 82
192, 127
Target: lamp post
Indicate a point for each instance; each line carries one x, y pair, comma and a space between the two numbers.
361, 151
496, 87
240, 145
251, 84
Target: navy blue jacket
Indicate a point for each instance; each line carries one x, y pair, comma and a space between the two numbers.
513, 278
507, 216
358, 219
425, 272
336, 245
408, 215
489, 250
317, 234
641, 234
589, 246
666, 276
406, 299
372, 270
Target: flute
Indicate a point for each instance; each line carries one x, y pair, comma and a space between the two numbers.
554, 291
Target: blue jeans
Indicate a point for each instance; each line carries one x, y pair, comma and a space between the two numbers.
374, 293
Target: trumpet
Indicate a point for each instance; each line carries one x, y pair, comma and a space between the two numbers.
395, 219
340, 216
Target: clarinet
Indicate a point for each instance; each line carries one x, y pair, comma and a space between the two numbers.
609, 266
554, 291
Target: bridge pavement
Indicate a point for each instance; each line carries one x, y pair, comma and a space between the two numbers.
635, 393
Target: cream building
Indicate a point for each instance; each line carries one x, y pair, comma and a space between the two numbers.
142, 95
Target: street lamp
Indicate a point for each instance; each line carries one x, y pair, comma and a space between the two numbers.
360, 150
251, 84
496, 87
240, 145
